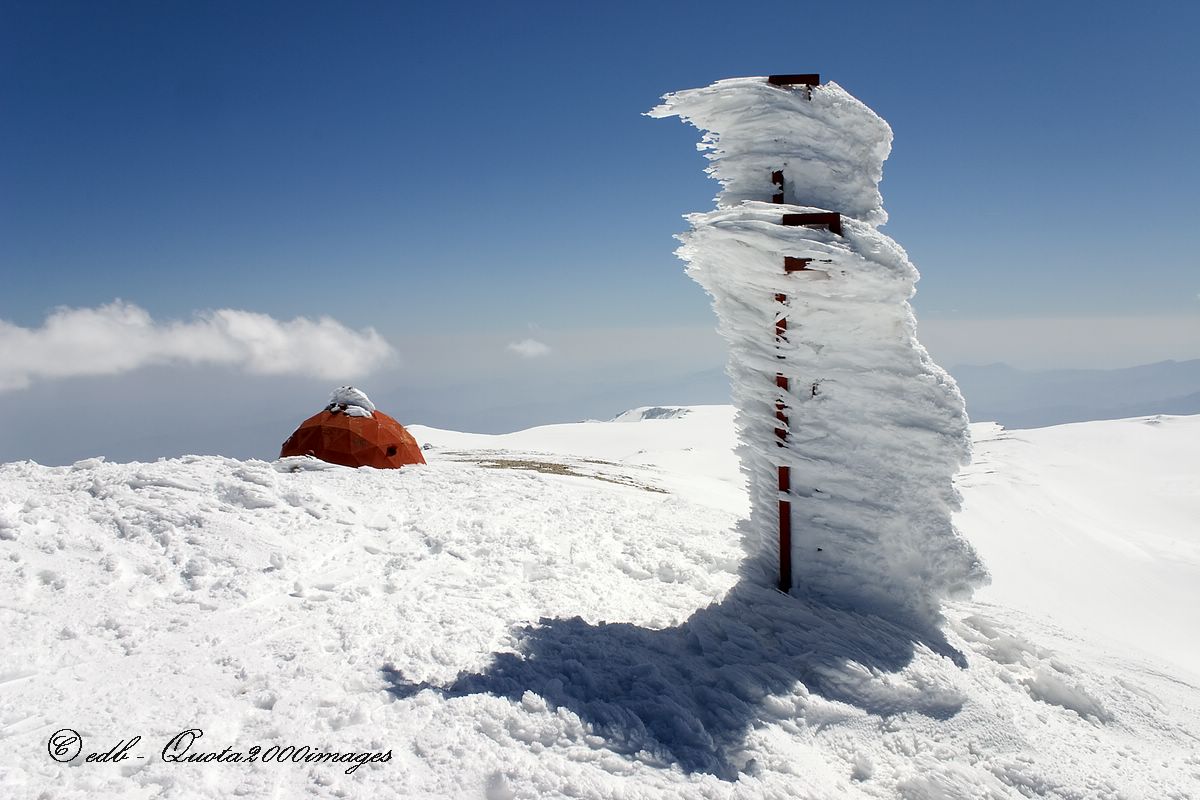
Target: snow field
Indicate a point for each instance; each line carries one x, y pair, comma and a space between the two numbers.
1097, 525
263, 606
511, 633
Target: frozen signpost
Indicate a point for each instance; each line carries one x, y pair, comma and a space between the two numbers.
850, 434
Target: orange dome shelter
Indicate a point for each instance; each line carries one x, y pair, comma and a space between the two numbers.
350, 432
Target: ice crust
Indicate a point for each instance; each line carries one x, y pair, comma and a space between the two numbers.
876, 430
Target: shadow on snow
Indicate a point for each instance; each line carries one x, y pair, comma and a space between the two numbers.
690, 693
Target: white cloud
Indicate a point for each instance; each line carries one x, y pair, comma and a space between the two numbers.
529, 348
120, 337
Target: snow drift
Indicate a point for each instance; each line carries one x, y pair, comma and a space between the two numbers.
875, 430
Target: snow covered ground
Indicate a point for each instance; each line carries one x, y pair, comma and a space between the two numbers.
1095, 525
558, 612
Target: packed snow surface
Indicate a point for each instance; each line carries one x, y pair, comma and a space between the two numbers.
872, 431
560, 613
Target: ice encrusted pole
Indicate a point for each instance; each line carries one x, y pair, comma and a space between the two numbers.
850, 434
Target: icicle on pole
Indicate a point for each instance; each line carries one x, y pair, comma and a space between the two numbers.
850, 434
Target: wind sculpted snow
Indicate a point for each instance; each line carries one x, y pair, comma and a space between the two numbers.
830, 146
875, 431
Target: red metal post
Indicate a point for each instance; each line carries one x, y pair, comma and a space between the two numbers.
781, 433
814, 219
785, 545
833, 222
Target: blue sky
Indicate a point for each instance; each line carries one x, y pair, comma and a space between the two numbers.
484, 169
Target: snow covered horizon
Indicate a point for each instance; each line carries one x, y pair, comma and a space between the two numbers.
178, 412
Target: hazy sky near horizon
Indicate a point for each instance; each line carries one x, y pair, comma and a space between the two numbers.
478, 179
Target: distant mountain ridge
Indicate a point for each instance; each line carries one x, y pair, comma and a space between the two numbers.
652, 412
1020, 398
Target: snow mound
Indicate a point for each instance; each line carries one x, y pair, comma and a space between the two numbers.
652, 412
871, 430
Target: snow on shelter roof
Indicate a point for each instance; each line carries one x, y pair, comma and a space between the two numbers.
829, 145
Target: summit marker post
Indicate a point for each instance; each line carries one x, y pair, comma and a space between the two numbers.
849, 435
782, 381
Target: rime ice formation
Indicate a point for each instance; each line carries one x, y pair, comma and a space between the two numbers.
875, 430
